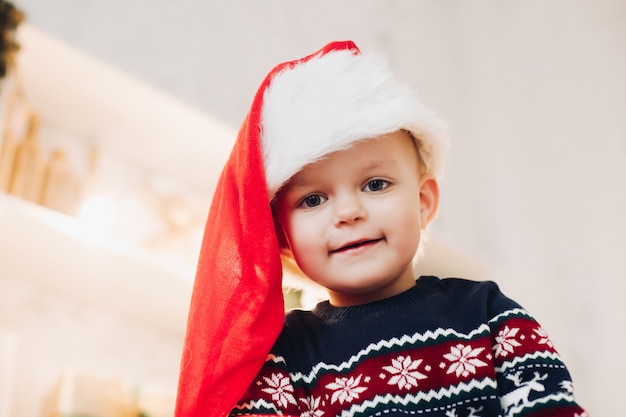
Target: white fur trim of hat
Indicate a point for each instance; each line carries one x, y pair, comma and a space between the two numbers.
334, 100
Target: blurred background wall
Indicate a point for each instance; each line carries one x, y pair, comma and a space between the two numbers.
535, 96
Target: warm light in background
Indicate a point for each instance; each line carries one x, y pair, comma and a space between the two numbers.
99, 214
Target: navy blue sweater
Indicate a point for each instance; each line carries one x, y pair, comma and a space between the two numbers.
449, 348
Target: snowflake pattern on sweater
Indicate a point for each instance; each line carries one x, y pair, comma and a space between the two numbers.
445, 348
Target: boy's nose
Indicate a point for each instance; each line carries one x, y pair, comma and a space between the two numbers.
349, 209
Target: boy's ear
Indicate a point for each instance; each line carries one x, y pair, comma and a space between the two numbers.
429, 199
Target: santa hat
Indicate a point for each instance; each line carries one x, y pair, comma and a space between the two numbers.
303, 110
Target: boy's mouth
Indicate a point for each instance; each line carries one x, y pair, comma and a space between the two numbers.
355, 245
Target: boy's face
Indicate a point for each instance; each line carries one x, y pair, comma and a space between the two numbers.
353, 219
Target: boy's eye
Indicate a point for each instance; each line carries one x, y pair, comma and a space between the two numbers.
376, 185
312, 200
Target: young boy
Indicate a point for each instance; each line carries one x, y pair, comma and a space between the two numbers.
336, 168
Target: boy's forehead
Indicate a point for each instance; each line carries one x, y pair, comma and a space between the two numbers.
361, 157
310, 171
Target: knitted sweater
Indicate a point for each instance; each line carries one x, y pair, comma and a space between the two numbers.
449, 348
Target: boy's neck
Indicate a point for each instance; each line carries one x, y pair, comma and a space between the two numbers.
348, 299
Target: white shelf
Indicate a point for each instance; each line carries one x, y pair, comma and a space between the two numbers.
54, 252
87, 99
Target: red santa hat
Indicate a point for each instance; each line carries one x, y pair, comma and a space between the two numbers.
303, 110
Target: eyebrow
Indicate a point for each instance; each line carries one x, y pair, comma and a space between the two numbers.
380, 163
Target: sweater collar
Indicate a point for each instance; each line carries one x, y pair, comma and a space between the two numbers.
424, 287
